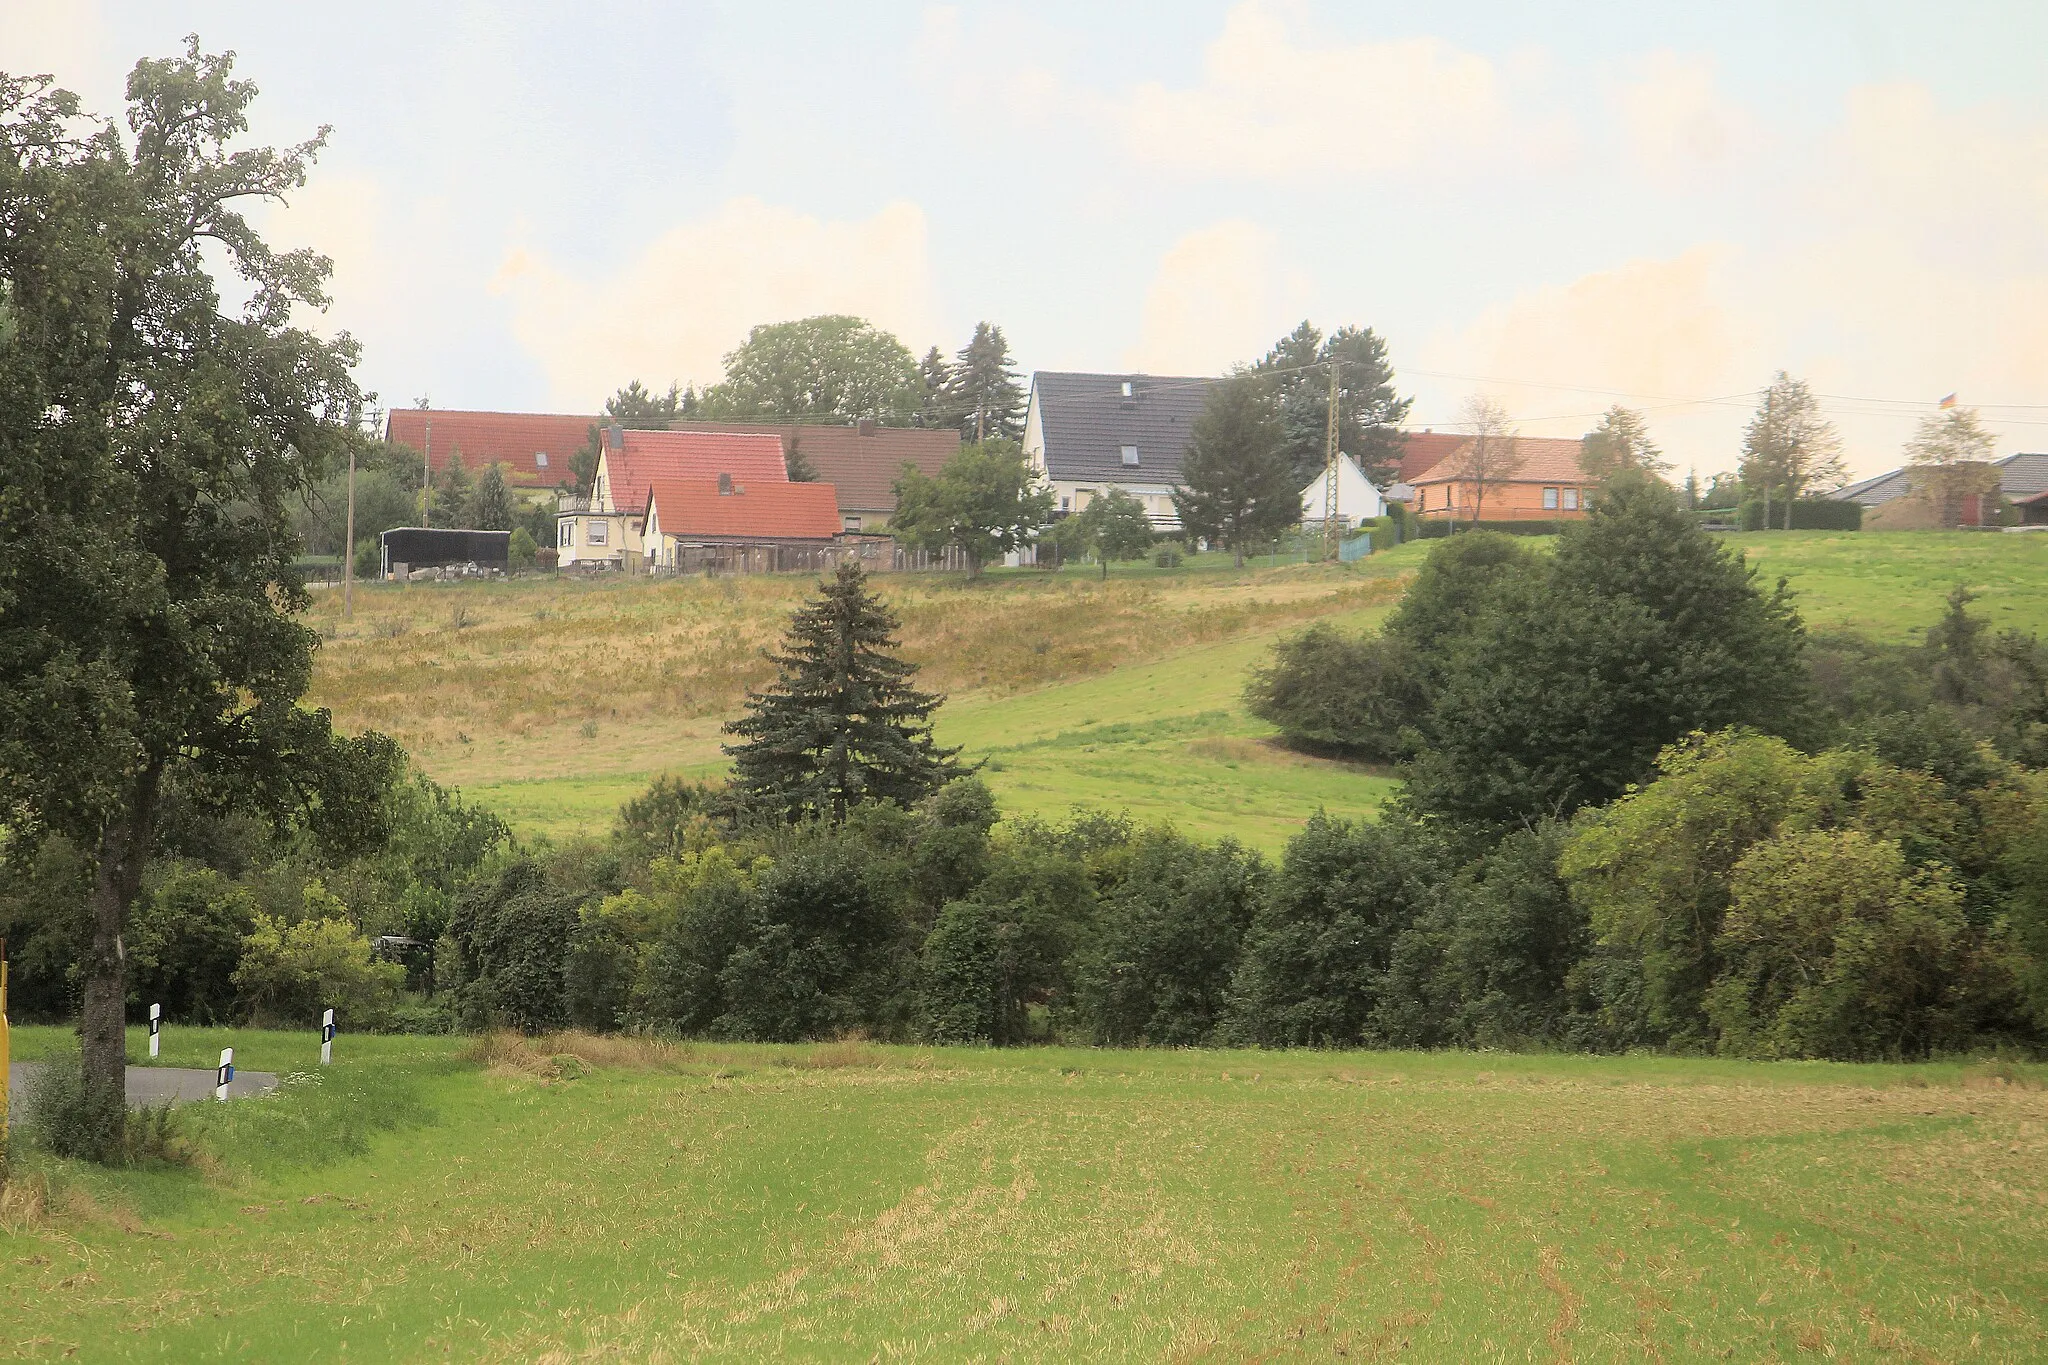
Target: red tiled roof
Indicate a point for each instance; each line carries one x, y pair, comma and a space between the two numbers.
1539, 459
863, 467
512, 439
653, 456
1422, 451
693, 508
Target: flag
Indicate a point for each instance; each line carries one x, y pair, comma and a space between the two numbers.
1948, 402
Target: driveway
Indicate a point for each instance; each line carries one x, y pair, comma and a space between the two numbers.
150, 1085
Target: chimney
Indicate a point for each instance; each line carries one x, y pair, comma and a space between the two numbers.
865, 426
725, 485
615, 437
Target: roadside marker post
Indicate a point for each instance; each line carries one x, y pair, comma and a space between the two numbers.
327, 1038
156, 1028
224, 1074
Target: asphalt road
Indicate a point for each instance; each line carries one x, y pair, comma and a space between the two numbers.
150, 1084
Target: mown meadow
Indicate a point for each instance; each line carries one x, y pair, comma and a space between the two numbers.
554, 701
569, 1197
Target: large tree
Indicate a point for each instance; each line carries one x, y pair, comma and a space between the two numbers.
1562, 682
151, 445
987, 501
1238, 487
934, 376
1789, 446
1621, 441
1369, 412
1948, 461
842, 723
832, 368
1493, 457
982, 391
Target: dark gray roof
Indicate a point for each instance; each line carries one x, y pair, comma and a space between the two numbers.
2023, 476
1875, 491
1087, 422
2019, 476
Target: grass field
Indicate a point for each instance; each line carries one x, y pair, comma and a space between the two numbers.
554, 701
853, 1202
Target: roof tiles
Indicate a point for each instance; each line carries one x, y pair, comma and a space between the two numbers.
649, 457
862, 463
696, 509
1539, 459
534, 447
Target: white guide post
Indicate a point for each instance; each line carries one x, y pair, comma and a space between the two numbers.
224, 1074
156, 1029
327, 1038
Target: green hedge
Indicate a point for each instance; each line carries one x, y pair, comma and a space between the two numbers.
1438, 529
1808, 514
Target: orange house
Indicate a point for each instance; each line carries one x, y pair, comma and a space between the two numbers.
1542, 481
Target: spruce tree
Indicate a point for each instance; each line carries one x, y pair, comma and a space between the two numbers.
983, 394
842, 723
934, 377
1237, 487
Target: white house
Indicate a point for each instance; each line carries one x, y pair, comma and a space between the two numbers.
608, 528
1085, 434
1357, 499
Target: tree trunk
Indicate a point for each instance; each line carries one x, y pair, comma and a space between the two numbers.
103, 1016
1105, 567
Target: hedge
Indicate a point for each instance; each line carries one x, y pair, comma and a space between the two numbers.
1808, 514
1438, 529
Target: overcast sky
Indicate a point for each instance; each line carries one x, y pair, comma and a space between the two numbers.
529, 204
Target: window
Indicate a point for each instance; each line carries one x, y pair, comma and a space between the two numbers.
1422, 499
540, 459
853, 524
598, 530
1550, 499
1571, 499
597, 495
1066, 504
1130, 455
567, 537
1127, 388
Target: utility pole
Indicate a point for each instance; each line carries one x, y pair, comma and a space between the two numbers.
1332, 532
427, 467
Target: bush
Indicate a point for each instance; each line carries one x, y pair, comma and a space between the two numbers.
713, 900
520, 551
512, 934
60, 1117
1167, 557
290, 973
1808, 514
991, 958
185, 942
547, 558
1329, 692
1443, 528
1319, 947
369, 560
1159, 967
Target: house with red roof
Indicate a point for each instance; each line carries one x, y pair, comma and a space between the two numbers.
1541, 481
862, 460
608, 529
691, 514
535, 448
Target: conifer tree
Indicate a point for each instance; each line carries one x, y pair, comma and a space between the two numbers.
1237, 485
982, 392
934, 375
842, 723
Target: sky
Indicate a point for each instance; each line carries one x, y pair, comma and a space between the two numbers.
1556, 206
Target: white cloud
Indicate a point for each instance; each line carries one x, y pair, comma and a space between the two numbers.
692, 294
1218, 297
1677, 122
1273, 106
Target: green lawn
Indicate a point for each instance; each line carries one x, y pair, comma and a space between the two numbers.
1168, 738
850, 1202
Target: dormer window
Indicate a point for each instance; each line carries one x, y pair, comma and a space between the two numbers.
1130, 456
1127, 390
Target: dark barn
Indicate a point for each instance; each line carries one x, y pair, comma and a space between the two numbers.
419, 547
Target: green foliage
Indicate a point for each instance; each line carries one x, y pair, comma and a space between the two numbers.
152, 446
1807, 514
1789, 447
1322, 940
44, 888
831, 368
289, 973
1369, 413
1158, 969
1835, 947
659, 822
520, 550
710, 901
1621, 441
511, 934
1567, 684
1329, 692
490, 506
1114, 526
842, 723
981, 389
638, 408
62, 1116
369, 560
1238, 487
987, 501
185, 942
